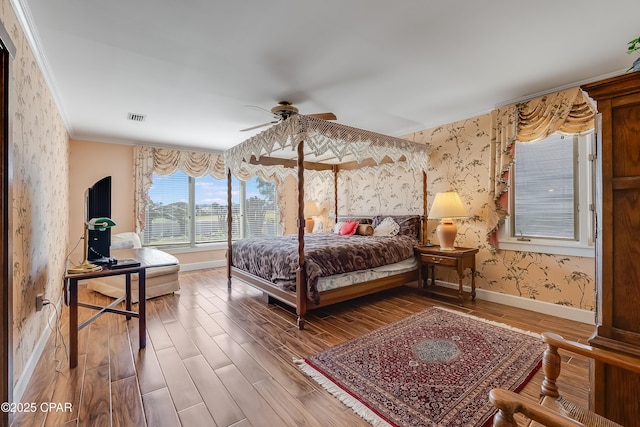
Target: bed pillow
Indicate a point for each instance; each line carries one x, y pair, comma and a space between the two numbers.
364, 230
361, 220
409, 224
338, 226
387, 227
348, 228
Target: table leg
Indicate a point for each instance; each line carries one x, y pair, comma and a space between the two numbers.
73, 322
142, 308
127, 287
473, 283
433, 274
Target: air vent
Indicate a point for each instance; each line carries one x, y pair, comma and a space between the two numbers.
136, 117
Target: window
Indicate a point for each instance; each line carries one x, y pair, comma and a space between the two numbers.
551, 197
187, 211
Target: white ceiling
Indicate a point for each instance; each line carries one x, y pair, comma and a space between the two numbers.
193, 66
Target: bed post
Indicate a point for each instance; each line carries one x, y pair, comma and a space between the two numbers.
301, 279
335, 190
424, 210
229, 228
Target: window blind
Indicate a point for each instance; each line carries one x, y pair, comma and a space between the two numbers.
167, 214
545, 193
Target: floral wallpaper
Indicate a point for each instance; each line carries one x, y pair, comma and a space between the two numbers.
318, 187
370, 191
380, 190
40, 195
459, 160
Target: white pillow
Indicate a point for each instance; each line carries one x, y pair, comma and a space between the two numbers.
126, 240
338, 226
388, 227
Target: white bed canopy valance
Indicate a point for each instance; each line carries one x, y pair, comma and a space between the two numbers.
324, 142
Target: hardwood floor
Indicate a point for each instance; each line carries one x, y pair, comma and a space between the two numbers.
220, 358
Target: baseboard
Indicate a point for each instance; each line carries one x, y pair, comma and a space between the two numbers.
202, 265
29, 368
562, 311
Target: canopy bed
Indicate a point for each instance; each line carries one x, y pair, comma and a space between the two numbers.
300, 279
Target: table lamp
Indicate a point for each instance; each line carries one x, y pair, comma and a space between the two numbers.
310, 210
99, 224
447, 206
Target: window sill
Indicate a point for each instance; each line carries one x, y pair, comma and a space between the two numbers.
204, 247
549, 247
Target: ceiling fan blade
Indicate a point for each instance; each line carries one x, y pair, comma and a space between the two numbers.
259, 126
260, 108
323, 116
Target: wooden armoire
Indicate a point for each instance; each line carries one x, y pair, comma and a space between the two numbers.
615, 393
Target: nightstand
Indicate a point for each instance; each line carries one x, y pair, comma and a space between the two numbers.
459, 259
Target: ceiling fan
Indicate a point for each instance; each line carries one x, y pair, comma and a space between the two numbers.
286, 109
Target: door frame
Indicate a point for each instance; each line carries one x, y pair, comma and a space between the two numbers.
7, 54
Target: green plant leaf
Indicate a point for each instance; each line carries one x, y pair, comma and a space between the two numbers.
634, 45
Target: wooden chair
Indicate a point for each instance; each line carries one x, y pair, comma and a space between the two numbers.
553, 410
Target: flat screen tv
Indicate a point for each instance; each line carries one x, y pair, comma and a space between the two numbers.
98, 203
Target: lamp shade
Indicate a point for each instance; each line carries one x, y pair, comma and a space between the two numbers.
100, 224
447, 205
311, 208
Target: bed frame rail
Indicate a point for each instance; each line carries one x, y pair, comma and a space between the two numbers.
302, 304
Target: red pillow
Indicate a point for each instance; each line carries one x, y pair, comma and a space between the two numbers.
348, 228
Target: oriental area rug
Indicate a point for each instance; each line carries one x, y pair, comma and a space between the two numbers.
434, 368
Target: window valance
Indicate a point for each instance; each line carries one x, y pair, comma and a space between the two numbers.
568, 112
196, 164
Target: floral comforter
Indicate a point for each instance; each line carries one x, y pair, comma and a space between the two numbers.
276, 258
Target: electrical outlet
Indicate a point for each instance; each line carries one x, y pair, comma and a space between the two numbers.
39, 304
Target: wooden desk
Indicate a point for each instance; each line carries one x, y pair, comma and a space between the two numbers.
459, 259
148, 258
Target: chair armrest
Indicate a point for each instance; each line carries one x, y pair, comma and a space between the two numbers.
619, 360
509, 403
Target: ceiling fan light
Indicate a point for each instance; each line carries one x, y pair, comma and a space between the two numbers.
283, 111
284, 108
